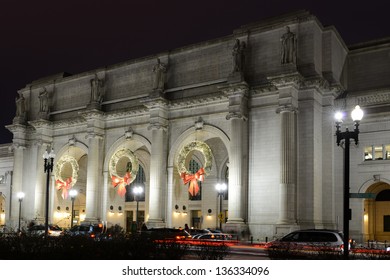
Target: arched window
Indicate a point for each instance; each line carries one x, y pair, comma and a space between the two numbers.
193, 168
139, 181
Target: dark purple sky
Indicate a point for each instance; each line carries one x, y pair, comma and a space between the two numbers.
45, 37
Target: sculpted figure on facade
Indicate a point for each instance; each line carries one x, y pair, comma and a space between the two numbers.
288, 47
97, 90
20, 106
238, 53
159, 71
44, 101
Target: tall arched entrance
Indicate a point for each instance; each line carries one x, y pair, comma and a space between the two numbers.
376, 217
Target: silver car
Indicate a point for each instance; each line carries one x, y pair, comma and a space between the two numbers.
312, 239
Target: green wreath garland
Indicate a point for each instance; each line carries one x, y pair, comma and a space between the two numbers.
133, 160
199, 146
60, 163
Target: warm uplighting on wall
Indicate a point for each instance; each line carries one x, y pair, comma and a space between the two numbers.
82, 216
2, 218
61, 215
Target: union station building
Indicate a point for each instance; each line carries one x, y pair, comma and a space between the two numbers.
253, 110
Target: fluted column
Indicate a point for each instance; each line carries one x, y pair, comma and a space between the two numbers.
40, 184
17, 182
157, 175
237, 94
158, 110
19, 132
170, 197
92, 189
288, 87
95, 132
104, 199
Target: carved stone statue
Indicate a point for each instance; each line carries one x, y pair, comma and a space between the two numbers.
238, 53
20, 106
159, 71
288, 47
96, 90
44, 101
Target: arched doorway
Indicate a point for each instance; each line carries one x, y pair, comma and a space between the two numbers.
376, 217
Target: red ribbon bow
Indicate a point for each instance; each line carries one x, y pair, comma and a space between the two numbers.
65, 186
193, 179
121, 183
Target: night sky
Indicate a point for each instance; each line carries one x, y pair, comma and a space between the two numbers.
45, 37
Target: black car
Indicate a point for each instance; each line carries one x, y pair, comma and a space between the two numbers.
94, 231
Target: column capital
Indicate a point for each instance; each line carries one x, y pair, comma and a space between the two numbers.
237, 94
157, 125
286, 108
94, 135
236, 115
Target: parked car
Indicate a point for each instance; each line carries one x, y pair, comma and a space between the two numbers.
321, 239
214, 236
94, 231
166, 234
39, 230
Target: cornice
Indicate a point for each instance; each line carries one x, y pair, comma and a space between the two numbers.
373, 99
129, 112
208, 99
292, 79
69, 122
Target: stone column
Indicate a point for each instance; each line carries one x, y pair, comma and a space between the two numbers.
237, 203
19, 132
104, 199
95, 132
40, 184
170, 197
93, 183
17, 183
158, 162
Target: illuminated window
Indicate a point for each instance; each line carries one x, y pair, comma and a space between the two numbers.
378, 152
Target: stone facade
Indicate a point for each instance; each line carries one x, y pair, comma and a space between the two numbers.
262, 99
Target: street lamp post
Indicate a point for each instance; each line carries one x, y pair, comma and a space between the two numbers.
357, 115
20, 196
221, 188
48, 167
72, 194
137, 191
